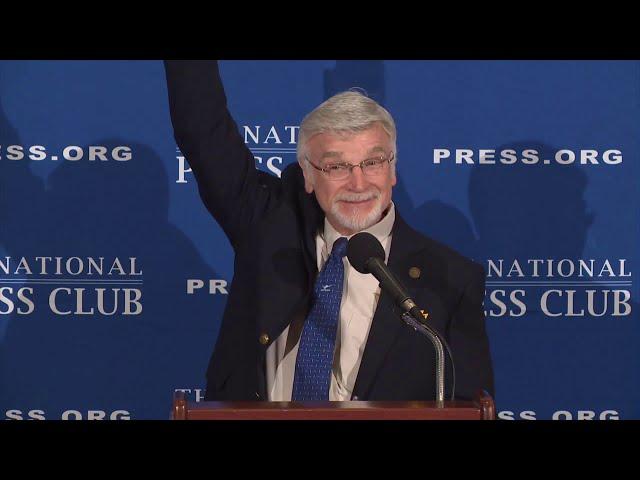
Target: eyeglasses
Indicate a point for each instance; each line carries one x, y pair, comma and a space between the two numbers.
340, 171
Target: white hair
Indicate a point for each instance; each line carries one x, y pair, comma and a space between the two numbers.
348, 112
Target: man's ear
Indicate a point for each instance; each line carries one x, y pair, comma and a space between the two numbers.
308, 181
394, 171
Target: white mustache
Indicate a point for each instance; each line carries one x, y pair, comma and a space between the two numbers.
357, 197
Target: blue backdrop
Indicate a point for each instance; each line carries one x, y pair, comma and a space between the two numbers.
113, 276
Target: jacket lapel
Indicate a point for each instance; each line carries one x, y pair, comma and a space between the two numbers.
311, 217
386, 323
290, 262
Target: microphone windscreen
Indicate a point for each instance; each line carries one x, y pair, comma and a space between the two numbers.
362, 247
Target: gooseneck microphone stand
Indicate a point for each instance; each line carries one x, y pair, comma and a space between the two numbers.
418, 323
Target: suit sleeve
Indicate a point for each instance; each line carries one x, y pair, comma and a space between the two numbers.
233, 191
469, 342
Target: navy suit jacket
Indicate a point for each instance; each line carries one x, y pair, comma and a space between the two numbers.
271, 224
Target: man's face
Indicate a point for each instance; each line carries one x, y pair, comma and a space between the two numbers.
358, 201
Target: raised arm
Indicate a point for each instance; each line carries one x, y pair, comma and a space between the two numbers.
233, 191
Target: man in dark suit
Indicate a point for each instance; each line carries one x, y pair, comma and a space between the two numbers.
300, 322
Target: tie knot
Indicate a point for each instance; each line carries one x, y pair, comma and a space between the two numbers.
340, 247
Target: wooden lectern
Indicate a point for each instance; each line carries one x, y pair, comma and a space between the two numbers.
482, 408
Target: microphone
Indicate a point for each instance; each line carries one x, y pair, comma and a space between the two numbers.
366, 255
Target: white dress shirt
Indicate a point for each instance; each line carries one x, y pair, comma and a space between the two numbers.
360, 295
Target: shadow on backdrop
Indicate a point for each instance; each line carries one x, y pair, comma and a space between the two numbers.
525, 212
97, 362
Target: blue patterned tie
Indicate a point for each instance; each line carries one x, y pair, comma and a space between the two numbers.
312, 377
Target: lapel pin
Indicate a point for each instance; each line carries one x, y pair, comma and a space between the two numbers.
414, 272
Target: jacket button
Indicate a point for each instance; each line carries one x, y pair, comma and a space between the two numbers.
414, 272
264, 339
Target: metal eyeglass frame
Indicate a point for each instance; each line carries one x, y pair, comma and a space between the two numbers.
351, 166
